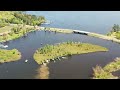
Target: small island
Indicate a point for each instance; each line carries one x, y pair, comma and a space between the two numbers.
54, 52
9, 55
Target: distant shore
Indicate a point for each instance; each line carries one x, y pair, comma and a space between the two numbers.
67, 31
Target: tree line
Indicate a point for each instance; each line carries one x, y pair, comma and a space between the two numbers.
115, 28
20, 17
115, 31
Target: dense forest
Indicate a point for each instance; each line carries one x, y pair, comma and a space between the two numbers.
19, 17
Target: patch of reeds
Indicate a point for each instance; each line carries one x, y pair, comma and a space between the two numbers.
106, 72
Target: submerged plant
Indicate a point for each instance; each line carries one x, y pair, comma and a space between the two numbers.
100, 73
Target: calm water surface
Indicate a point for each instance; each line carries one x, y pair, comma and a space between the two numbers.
76, 66
95, 21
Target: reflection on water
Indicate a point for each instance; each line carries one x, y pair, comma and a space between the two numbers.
43, 72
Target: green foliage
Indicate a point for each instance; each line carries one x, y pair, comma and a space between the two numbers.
69, 48
3, 24
24, 32
5, 16
115, 28
9, 55
47, 48
108, 34
113, 66
13, 52
29, 19
15, 31
20, 17
16, 21
100, 73
5, 37
118, 35
115, 31
70, 54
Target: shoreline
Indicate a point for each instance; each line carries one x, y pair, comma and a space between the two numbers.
107, 71
19, 35
105, 37
92, 34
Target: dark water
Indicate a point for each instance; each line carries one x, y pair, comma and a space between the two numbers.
75, 67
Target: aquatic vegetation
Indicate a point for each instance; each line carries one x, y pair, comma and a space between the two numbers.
100, 73
52, 52
9, 55
106, 72
113, 66
42, 72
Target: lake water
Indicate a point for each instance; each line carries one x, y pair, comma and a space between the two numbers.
95, 21
76, 66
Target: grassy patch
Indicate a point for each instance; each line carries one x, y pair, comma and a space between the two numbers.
106, 72
6, 15
5, 29
9, 55
52, 52
115, 31
100, 73
113, 66
20, 17
23, 30
114, 34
